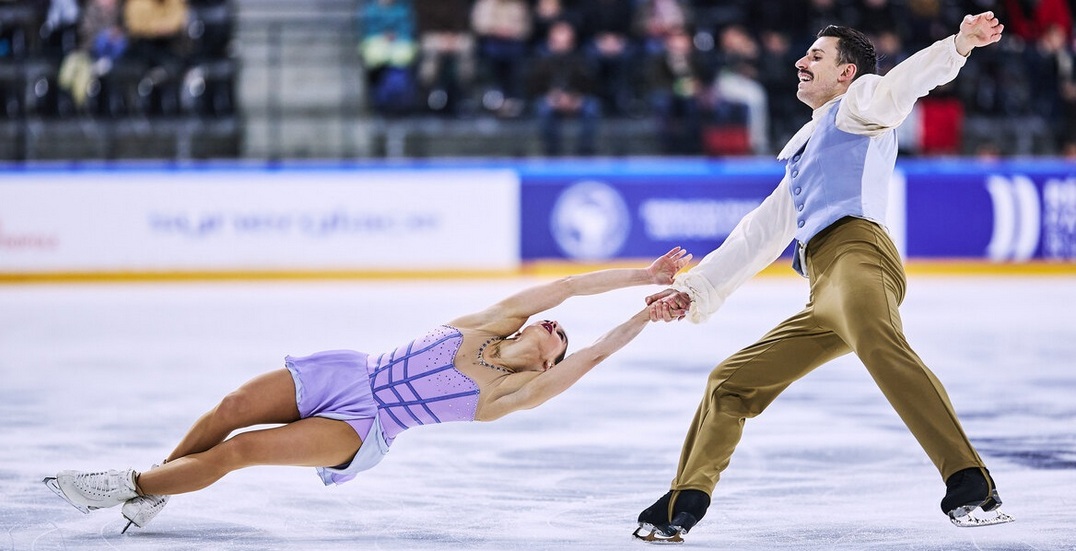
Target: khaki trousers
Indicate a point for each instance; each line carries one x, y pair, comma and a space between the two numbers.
857, 282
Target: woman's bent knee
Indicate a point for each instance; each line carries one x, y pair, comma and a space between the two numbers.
235, 453
269, 398
235, 409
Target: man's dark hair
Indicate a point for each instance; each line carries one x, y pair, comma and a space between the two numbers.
853, 47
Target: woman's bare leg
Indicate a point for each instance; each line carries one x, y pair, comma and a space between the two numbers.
310, 442
267, 398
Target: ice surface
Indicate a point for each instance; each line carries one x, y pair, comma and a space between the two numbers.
110, 376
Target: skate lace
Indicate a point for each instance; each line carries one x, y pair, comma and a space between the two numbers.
154, 503
93, 483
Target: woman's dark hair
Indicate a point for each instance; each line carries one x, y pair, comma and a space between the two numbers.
853, 47
562, 354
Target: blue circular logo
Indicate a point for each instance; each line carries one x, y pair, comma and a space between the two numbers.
590, 221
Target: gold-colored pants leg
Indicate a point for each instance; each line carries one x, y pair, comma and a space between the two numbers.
858, 292
857, 284
742, 386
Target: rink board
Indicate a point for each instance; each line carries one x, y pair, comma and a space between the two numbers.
483, 218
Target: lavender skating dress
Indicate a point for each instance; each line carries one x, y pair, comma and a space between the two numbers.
381, 396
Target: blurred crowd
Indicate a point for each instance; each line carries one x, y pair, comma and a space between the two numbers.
716, 76
116, 58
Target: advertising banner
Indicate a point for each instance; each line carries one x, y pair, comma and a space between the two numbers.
638, 212
1002, 212
938, 210
486, 217
132, 220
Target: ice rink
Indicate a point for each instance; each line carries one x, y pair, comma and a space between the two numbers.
109, 376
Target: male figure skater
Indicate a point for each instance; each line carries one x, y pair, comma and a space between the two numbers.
832, 201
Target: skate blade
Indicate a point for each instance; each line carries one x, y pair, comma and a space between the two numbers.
50, 482
130, 522
650, 534
979, 517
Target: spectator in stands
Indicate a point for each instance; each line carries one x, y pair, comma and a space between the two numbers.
655, 20
890, 49
543, 16
1030, 19
929, 21
59, 31
446, 52
783, 18
1045, 26
875, 17
785, 111
156, 50
821, 13
1067, 79
738, 82
102, 30
606, 36
503, 28
562, 85
156, 28
1049, 63
678, 81
101, 41
710, 15
387, 49
1068, 148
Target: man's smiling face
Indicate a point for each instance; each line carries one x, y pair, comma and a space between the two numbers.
821, 76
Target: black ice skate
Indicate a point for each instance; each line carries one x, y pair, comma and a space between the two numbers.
971, 499
663, 522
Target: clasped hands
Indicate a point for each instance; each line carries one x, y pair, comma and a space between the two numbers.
668, 305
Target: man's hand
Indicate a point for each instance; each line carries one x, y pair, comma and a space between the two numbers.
978, 30
668, 305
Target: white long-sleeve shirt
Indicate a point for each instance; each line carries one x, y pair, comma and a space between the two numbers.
873, 105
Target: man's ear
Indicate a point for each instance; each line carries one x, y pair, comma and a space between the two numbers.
848, 73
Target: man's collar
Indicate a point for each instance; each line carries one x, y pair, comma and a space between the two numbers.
824, 108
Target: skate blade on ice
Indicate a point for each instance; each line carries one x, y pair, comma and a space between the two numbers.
652, 534
50, 481
965, 517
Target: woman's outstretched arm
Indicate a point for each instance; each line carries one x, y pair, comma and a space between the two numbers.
511, 313
529, 389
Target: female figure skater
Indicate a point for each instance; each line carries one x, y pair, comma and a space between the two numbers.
340, 410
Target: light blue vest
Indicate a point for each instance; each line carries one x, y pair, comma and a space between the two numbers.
838, 174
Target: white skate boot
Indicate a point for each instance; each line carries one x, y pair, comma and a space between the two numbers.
91, 491
140, 510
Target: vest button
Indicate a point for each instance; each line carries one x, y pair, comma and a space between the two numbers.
797, 191
800, 208
795, 173
796, 158
801, 223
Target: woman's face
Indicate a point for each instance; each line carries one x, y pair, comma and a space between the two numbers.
550, 339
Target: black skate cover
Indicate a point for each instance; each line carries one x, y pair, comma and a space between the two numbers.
686, 510
971, 499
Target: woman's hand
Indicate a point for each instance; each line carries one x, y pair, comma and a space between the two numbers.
668, 305
662, 270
